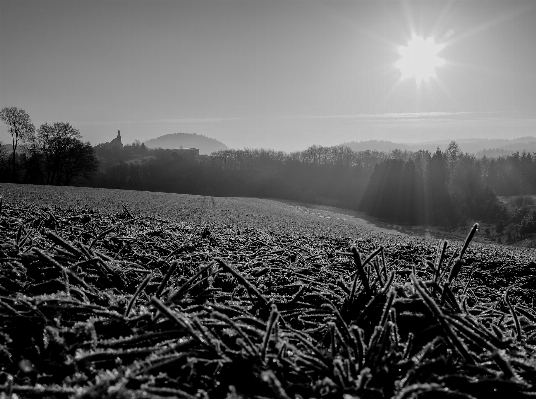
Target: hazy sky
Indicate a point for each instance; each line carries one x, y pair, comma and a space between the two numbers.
272, 74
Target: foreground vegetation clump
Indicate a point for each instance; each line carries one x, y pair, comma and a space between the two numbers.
123, 304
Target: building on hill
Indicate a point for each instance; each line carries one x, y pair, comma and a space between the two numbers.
189, 152
116, 143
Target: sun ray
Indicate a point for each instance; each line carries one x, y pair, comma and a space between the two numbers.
514, 12
442, 17
424, 74
447, 92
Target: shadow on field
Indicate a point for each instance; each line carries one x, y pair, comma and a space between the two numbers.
420, 231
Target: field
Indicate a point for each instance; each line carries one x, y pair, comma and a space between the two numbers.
122, 294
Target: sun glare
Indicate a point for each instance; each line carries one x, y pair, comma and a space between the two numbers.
419, 58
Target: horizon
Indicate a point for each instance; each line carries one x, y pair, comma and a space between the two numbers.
279, 75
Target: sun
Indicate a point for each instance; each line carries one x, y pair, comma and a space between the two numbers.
419, 59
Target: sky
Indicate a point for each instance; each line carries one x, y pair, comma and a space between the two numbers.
270, 74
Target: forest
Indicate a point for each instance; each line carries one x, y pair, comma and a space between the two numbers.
327, 175
448, 188
53, 154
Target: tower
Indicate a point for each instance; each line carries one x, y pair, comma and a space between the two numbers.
116, 142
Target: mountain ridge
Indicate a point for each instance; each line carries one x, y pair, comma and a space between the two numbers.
478, 146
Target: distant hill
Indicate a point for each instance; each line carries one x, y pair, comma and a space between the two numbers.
205, 144
479, 147
377, 145
507, 150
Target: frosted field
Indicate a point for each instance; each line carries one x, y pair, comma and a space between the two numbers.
110, 293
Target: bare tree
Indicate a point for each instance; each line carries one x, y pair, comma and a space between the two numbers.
20, 128
62, 155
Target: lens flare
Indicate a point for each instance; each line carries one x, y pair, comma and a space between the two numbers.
420, 58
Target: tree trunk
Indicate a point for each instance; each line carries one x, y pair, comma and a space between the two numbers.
14, 169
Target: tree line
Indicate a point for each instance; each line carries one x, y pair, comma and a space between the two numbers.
53, 154
328, 175
441, 188
449, 188
435, 189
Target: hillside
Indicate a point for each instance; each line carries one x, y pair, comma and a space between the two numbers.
479, 147
205, 144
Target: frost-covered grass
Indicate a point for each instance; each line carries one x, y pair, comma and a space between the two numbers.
110, 293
